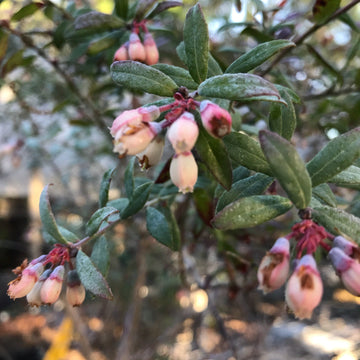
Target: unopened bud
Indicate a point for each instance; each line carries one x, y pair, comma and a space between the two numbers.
136, 48
75, 291
152, 154
274, 267
183, 133
149, 113
33, 297
51, 288
121, 53
347, 268
304, 289
184, 171
216, 120
348, 247
21, 286
151, 50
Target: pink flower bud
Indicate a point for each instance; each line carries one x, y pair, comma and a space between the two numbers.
274, 267
136, 48
21, 286
33, 297
183, 133
184, 171
51, 288
149, 113
304, 289
121, 53
347, 268
216, 120
75, 291
126, 117
152, 154
151, 50
348, 247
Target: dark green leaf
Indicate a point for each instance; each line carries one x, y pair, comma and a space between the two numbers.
162, 6
251, 211
241, 87
67, 234
97, 21
27, 10
213, 67
253, 185
12, 62
239, 173
323, 9
129, 178
282, 118
138, 200
257, 56
100, 255
335, 157
204, 203
104, 187
287, 167
337, 221
98, 217
246, 151
196, 40
180, 50
324, 194
121, 8
213, 153
138, 76
119, 204
91, 277
178, 74
101, 44
47, 217
143, 7
348, 20
349, 178
295, 98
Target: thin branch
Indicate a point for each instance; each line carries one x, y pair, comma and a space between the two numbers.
313, 29
330, 93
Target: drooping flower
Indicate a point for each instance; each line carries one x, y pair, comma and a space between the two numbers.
75, 291
151, 50
51, 288
136, 48
152, 154
33, 297
122, 53
184, 171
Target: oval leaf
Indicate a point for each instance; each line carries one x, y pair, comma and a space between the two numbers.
349, 178
251, 211
257, 56
100, 255
97, 21
287, 167
246, 151
27, 10
196, 40
141, 77
178, 74
98, 217
324, 194
335, 157
241, 87
160, 7
91, 277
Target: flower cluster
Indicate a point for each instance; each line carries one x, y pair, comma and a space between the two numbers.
135, 132
42, 279
134, 49
304, 288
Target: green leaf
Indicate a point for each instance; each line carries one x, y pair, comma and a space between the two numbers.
349, 178
287, 167
129, 178
213, 67
27, 10
162, 6
295, 98
121, 8
67, 234
47, 217
91, 277
4, 39
12, 62
335, 157
104, 187
204, 203
253, 185
251, 211
323, 9
257, 56
138, 76
324, 194
101, 44
213, 153
241, 87
196, 40
97, 219
119, 204
100, 255
282, 118
246, 151
160, 228
97, 21
181, 76
337, 221
142, 8
138, 200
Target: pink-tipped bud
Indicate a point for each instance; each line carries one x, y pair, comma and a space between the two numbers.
149, 113
152, 154
183, 133
216, 120
75, 291
33, 297
151, 50
348, 247
184, 171
51, 287
136, 48
347, 268
274, 267
304, 289
21, 286
121, 53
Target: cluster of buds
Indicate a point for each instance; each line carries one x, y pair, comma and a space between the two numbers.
41, 280
136, 50
304, 288
136, 132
